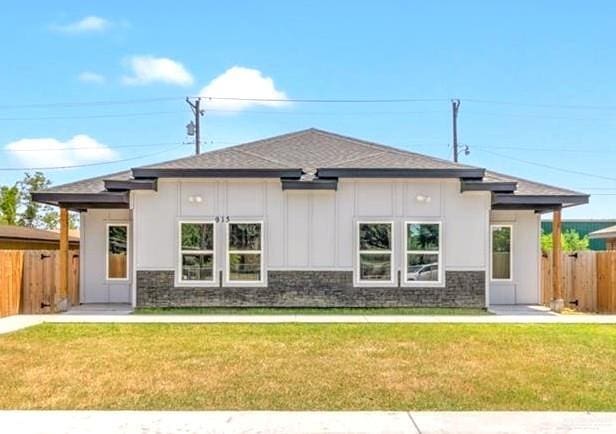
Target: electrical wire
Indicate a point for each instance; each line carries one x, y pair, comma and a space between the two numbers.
547, 166
76, 148
76, 166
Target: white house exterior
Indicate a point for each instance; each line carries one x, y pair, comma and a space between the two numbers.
310, 219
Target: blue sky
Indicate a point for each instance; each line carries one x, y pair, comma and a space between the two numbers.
536, 80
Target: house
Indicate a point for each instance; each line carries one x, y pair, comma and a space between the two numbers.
23, 238
607, 235
310, 218
583, 227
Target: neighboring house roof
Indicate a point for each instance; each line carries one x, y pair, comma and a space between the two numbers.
609, 232
326, 155
24, 233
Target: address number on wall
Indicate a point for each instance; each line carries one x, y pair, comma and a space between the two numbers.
222, 218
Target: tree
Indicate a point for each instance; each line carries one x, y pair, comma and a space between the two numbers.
30, 214
9, 201
571, 241
50, 219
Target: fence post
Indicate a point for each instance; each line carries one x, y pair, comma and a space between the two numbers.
557, 304
62, 303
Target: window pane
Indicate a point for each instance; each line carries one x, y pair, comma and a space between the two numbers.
424, 236
245, 267
375, 236
422, 267
375, 267
117, 266
501, 253
197, 236
244, 236
197, 267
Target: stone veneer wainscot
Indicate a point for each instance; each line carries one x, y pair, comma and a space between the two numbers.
310, 289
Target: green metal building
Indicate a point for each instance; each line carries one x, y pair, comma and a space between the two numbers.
583, 227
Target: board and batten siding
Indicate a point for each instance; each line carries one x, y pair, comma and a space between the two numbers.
524, 287
311, 230
94, 286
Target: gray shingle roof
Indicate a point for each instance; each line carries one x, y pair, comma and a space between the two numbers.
310, 148
313, 148
90, 185
526, 187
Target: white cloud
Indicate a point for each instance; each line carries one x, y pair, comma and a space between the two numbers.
87, 24
150, 69
241, 82
50, 152
91, 77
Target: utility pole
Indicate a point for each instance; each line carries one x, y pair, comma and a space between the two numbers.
195, 128
455, 106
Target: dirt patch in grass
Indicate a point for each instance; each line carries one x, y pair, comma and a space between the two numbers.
310, 367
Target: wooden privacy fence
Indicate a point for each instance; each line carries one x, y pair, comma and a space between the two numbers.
29, 281
588, 280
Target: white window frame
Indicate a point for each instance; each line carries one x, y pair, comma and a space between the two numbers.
117, 279
492, 227
439, 253
228, 253
359, 252
179, 279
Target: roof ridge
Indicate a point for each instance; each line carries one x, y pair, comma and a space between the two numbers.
390, 148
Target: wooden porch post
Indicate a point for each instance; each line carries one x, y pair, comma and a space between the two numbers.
62, 299
557, 303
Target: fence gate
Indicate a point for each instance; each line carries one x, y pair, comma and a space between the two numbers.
588, 280
29, 281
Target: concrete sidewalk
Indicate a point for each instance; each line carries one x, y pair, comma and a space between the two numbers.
13, 323
99, 422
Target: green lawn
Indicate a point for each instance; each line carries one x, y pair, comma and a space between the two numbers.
311, 311
309, 367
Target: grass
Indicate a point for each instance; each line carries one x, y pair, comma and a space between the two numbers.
310, 311
309, 367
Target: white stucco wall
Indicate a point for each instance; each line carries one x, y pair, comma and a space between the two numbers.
312, 229
95, 287
524, 287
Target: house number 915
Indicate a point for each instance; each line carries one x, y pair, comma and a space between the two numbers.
222, 218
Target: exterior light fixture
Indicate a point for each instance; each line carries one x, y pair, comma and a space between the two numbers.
422, 198
197, 199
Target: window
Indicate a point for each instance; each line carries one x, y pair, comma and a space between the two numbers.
501, 252
423, 252
117, 252
245, 252
374, 243
196, 252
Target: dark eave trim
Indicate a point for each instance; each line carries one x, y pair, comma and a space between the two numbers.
562, 200
131, 184
105, 199
317, 184
401, 173
215, 173
501, 187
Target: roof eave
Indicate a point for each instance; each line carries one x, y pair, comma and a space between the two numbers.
103, 199
539, 203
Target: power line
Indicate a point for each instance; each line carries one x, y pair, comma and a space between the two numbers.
77, 148
540, 105
76, 166
523, 148
111, 115
547, 166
